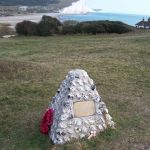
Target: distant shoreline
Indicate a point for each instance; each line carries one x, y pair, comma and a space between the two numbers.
13, 20
130, 19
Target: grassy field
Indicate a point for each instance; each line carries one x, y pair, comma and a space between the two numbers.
32, 68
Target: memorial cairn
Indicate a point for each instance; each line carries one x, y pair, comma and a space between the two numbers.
78, 109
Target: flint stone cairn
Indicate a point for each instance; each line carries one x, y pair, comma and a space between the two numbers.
78, 109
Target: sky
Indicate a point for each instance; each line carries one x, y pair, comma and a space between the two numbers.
121, 6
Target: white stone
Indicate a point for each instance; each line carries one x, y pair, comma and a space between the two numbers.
97, 99
108, 117
62, 125
70, 131
66, 139
87, 88
77, 129
102, 119
82, 135
78, 87
93, 128
64, 117
100, 127
104, 125
91, 121
8, 36
77, 122
78, 96
106, 110
84, 129
99, 112
86, 121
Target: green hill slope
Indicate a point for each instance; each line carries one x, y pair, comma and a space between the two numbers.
32, 68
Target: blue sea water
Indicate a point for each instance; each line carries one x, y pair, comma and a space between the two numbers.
130, 19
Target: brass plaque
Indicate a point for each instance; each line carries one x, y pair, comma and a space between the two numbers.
84, 108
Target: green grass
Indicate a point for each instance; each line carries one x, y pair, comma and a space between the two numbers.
32, 68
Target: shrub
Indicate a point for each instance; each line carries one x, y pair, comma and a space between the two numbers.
92, 28
117, 27
69, 29
96, 27
70, 23
26, 28
48, 26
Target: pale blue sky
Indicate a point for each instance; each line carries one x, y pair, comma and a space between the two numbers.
121, 6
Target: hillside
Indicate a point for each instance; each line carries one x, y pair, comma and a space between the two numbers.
12, 7
29, 2
31, 70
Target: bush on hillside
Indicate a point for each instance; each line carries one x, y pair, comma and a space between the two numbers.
26, 28
116, 27
96, 27
91, 28
68, 29
70, 23
48, 26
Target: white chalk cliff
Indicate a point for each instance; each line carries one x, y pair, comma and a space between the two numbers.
78, 7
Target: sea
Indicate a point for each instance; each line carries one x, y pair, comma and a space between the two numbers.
130, 19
